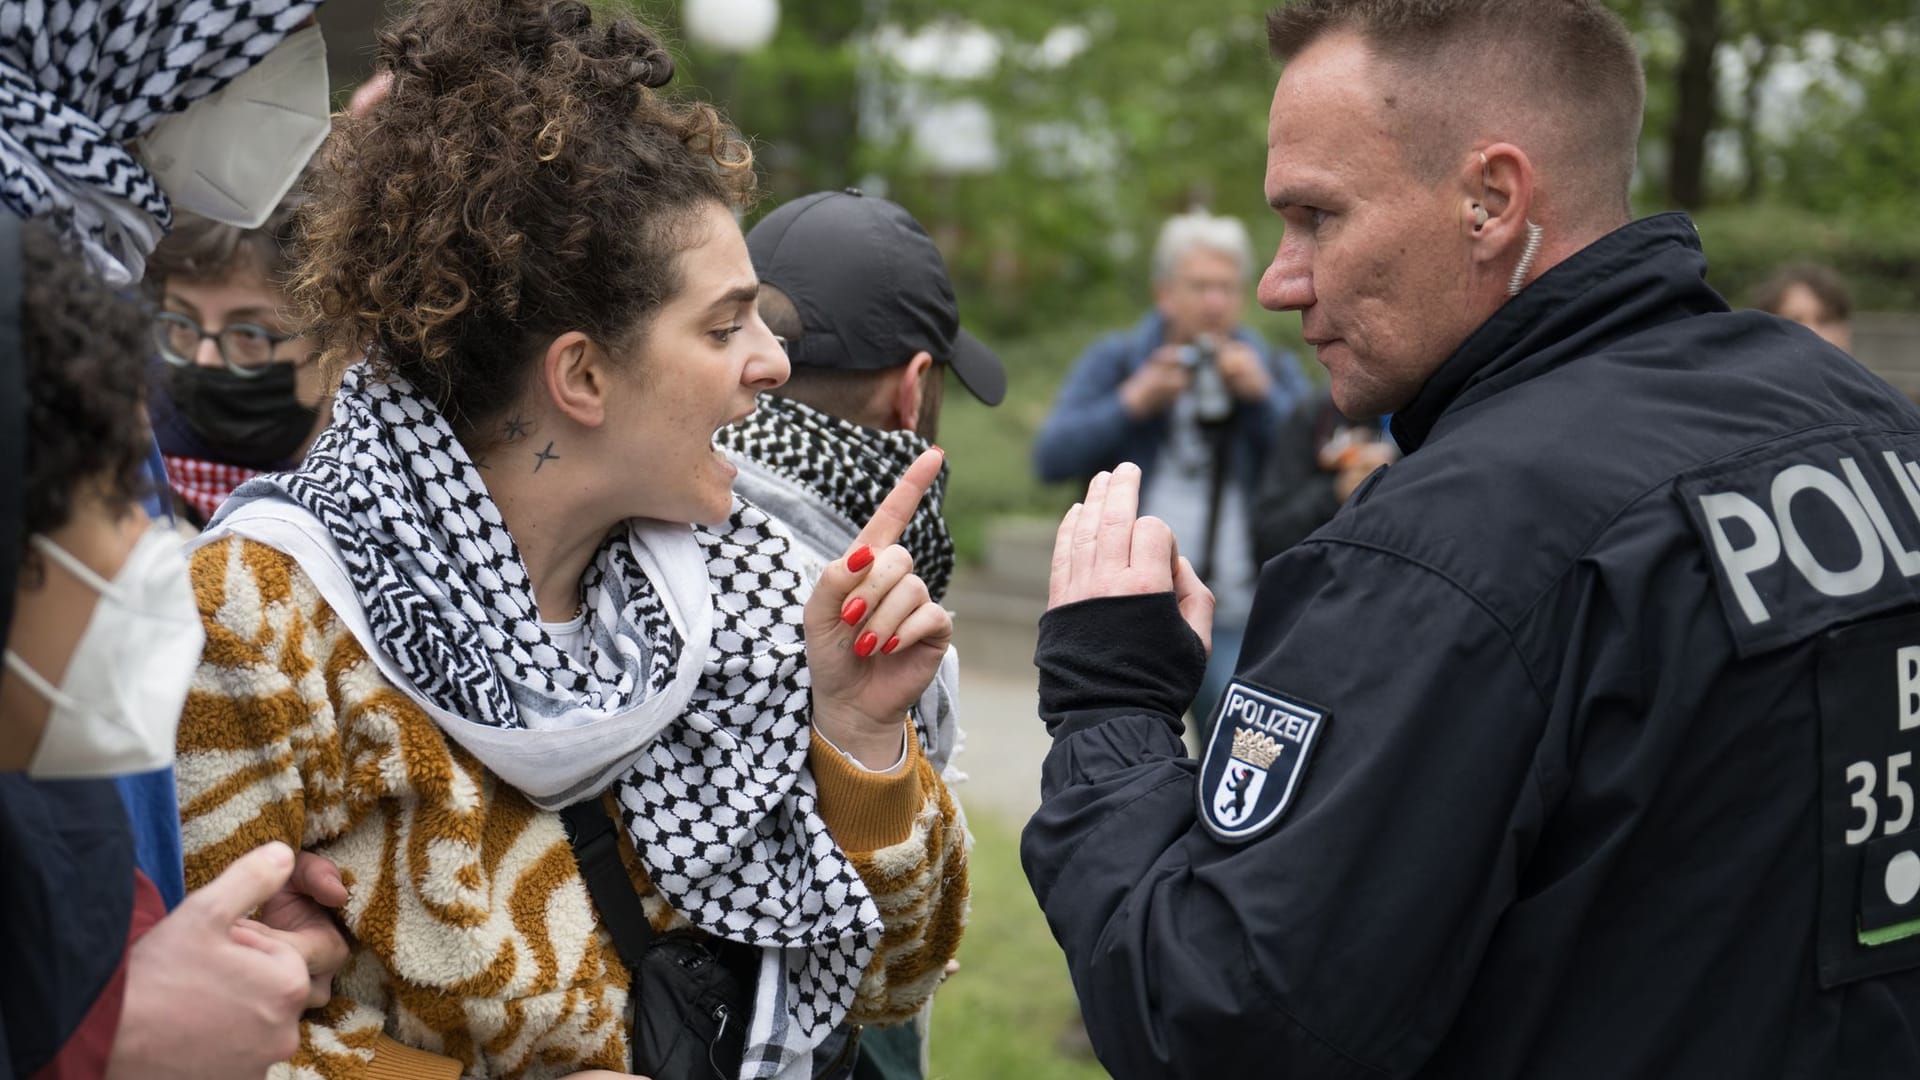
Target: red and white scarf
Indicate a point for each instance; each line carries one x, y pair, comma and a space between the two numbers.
204, 484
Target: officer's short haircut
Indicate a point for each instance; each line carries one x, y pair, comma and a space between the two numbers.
1469, 65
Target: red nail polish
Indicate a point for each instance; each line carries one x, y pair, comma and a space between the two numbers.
861, 558
863, 646
855, 608
892, 644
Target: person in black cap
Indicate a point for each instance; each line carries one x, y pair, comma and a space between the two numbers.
860, 297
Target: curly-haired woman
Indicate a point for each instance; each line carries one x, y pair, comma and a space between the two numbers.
512, 577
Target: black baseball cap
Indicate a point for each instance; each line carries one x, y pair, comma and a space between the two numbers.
870, 287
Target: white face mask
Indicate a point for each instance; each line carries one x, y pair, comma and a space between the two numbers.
231, 156
118, 708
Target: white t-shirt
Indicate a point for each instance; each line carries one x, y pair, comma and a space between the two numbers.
570, 636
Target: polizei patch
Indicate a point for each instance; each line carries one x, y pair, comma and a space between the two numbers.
1261, 742
1810, 533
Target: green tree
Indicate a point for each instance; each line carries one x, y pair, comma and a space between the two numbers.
1162, 107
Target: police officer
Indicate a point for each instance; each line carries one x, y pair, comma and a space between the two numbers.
1582, 742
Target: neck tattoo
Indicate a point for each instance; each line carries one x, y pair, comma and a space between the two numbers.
544, 456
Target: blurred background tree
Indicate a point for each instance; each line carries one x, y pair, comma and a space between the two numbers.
1043, 143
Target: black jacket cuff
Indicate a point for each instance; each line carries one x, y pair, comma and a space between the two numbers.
1118, 654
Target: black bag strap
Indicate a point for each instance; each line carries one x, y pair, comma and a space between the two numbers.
596, 847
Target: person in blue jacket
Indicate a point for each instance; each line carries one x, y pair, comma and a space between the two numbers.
1581, 742
1193, 396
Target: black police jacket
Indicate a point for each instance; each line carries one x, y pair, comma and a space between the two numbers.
1579, 744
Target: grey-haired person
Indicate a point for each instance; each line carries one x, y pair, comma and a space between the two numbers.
1192, 396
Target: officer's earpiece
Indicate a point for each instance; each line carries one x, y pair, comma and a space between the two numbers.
13, 415
1518, 280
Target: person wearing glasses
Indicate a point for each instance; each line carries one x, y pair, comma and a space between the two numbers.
232, 391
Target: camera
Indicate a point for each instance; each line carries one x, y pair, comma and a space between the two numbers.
1212, 402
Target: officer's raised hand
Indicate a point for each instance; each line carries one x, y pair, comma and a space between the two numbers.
1128, 621
1104, 548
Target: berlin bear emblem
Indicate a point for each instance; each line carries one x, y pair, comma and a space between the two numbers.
1260, 745
1240, 788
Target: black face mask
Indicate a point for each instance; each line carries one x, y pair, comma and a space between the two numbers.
254, 422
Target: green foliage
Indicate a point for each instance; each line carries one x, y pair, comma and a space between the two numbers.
1164, 107
989, 447
1161, 109
1860, 157
796, 98
1877, 251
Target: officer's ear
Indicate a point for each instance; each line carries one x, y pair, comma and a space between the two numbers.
1498, 184
1504, 236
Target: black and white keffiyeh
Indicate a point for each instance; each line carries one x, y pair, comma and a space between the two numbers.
822, 478
853, 468
693, 700
79, 79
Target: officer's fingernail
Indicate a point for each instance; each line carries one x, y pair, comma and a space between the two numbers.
863, 646
855, 608
892, 644
861, 558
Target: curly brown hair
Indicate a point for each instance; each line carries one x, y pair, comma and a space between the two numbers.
202, 251
85, 349
523, 179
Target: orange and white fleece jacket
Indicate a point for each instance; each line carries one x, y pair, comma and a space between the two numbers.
476, 951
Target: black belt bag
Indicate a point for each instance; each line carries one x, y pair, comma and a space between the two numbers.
691, 995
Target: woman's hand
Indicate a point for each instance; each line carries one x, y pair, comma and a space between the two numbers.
874, 637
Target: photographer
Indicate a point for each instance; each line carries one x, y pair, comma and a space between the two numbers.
1193, 397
